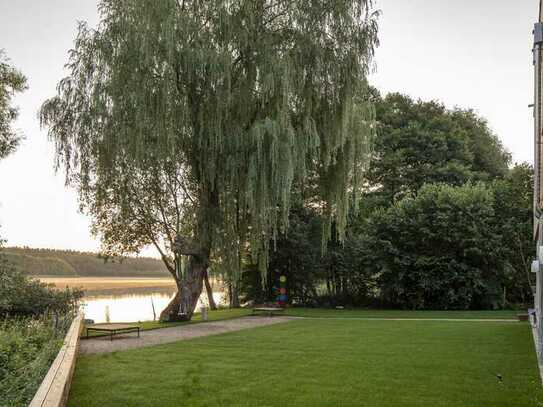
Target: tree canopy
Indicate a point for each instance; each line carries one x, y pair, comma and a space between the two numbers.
423, 142
241, 98
11, 82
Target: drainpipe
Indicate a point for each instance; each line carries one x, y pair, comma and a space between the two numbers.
538, 140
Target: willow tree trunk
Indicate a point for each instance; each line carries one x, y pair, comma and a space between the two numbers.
209, 291
198, 250
189, 289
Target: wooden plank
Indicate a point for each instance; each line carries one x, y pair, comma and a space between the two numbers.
55, 387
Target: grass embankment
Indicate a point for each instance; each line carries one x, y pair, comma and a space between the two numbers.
324, 362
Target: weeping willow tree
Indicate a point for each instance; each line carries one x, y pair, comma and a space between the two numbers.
239, 99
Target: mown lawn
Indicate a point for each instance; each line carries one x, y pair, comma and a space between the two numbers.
372, 313
323, 362
224, 314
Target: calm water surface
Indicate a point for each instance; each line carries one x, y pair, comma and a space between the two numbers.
132, 307
126, 299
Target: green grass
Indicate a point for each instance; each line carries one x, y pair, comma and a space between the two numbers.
323, 362
224, 314
219, 315
369, 313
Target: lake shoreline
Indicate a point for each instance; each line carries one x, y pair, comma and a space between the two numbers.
109, 284
125, 299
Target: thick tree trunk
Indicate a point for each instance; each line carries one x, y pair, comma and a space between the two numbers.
233, 295
209, 292
182, 306
169, 313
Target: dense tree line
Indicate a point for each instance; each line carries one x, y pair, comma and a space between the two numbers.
73, 263
444, 223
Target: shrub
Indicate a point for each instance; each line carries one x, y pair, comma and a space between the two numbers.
24, 296
438, 250
314, 277
27, 348
34, 319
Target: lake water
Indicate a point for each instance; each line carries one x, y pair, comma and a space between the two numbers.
113, 299
132, 307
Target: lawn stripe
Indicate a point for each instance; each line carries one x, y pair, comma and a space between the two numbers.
411, 319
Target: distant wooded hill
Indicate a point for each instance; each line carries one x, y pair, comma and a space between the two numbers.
47, 262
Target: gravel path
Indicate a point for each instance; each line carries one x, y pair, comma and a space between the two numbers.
173, 334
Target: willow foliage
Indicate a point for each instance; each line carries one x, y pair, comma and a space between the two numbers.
243, 98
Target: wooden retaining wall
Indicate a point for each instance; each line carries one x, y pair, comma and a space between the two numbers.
55, 387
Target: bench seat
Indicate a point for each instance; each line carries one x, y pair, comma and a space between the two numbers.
113, 329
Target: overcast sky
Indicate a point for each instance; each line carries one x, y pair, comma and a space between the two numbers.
464, 53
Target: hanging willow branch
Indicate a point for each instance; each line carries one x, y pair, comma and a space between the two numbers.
238, 98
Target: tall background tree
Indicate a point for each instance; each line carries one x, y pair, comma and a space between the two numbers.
30, 337
12, 81
423, 142
242, 98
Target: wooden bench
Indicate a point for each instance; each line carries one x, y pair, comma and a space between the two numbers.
113, 329
270, 311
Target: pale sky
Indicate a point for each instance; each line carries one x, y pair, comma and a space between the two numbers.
467, 53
